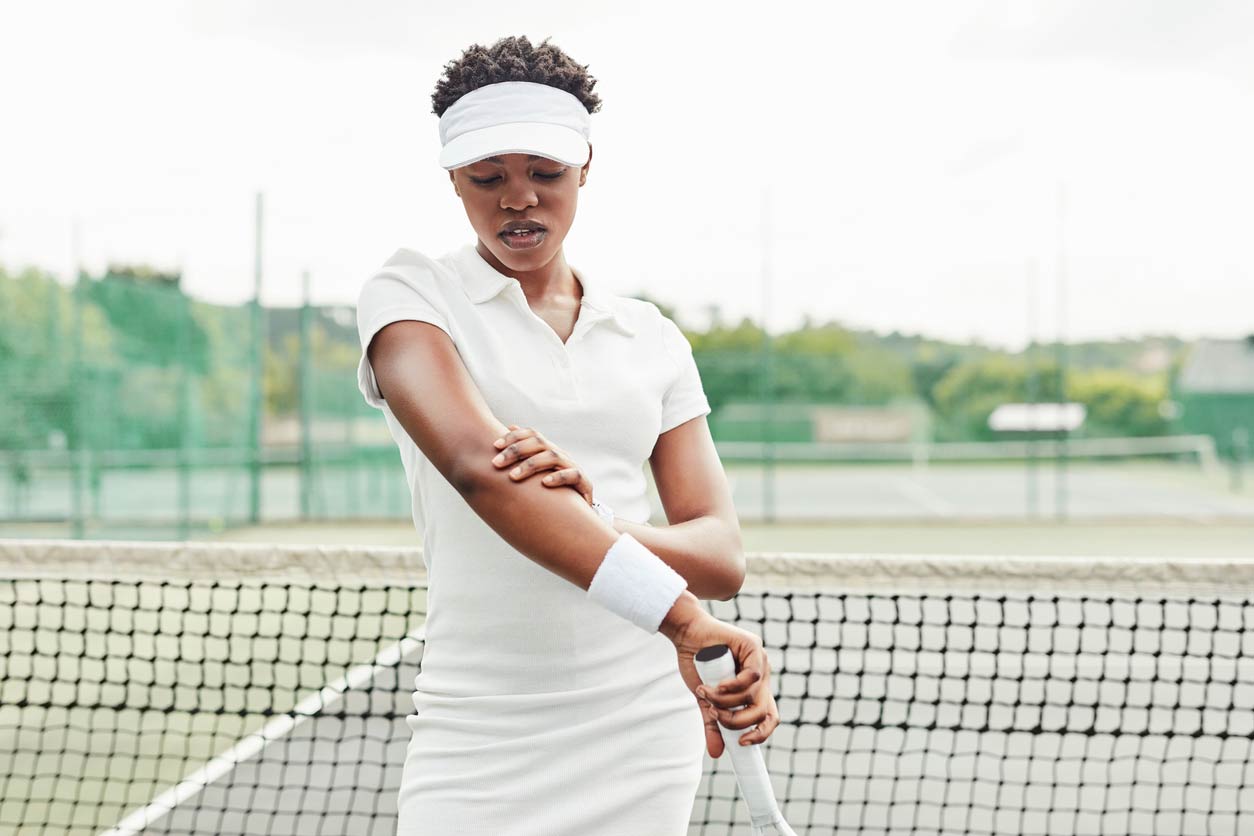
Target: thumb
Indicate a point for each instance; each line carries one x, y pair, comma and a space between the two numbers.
713, 737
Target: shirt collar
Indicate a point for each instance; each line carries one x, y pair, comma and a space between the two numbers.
482, 282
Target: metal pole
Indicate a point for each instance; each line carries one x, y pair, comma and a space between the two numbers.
78, 388
1033, 477
1061, 351
184, 411
306, 401
255, 399
1240, 454
352, 459
768, 371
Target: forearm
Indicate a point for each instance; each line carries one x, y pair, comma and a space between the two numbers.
435, 400
556, 528
706, 551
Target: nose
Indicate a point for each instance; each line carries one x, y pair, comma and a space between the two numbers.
519, 194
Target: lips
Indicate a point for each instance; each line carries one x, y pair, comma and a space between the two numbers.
528, 239
526, 224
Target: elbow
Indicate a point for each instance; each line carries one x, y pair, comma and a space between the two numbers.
468, 476
738, 571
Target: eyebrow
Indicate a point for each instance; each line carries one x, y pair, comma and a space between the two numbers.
502, 161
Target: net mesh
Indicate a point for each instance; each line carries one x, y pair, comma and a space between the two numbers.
188, 688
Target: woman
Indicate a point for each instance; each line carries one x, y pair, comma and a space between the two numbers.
556, 694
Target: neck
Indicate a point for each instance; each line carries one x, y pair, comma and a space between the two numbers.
552, 281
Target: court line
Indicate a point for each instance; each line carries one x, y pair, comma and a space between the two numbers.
137, 822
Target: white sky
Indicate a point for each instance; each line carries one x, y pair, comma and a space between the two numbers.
915, 153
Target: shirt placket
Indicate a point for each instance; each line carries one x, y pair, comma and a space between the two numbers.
561, 355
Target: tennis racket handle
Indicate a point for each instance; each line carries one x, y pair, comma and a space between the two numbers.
715, 664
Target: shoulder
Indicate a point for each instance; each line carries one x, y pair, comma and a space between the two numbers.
415, 270
410, 277
408, 285
664, 339
647, 319
668, 332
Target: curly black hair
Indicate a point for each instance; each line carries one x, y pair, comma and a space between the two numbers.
514, 59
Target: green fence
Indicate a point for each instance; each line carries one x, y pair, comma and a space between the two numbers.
130, 408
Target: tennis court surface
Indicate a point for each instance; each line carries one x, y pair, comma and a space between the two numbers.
194, 688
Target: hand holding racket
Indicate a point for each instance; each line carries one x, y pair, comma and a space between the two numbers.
694, 629
715, 664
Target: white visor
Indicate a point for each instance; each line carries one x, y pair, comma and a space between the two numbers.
515, 117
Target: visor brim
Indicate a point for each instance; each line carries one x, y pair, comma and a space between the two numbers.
557, 142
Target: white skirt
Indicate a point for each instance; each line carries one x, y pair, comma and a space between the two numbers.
598, 761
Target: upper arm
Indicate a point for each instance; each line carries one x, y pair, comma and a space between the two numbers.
686, 468
409, 362
684, 398
689, 475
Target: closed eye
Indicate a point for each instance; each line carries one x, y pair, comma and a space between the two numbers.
485, 182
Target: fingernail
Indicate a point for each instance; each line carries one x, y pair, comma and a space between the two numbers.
498, 458
701, 691
498, 442
515, 471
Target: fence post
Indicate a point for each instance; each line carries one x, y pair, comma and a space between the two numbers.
256, 403
306, 402
1240, 454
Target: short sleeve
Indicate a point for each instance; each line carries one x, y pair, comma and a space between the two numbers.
685, 398
388, 297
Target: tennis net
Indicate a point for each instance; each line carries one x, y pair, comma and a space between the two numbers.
239, 689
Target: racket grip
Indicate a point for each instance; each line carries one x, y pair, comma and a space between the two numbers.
715, 664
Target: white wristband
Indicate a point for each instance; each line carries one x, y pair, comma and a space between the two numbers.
636, 584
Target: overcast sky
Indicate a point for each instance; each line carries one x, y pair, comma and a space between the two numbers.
923, 160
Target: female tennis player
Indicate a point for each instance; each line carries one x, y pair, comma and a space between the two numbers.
558, 693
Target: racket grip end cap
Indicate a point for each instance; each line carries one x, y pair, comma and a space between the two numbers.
714, 664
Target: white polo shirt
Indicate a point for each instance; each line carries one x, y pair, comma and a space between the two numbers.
534, 704
625, 375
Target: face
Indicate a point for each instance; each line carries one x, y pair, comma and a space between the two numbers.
505, 189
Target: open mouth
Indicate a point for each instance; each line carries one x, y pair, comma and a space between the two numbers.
524, 238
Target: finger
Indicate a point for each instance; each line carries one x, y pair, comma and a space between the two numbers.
515, 433
751, 692
753, 670
516, 451
769, 723
742, 680
734, 697
744, 718
713, 737
584, 487
565, 476
544, 460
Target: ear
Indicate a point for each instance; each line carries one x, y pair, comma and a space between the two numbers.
453, 180
583, 172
